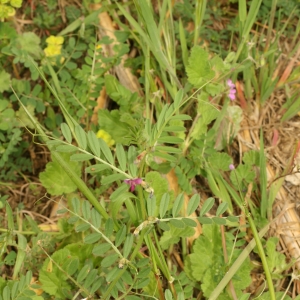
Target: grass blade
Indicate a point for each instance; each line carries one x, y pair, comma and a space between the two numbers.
263, 178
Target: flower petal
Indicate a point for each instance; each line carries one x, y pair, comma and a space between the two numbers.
230, 83
132, 186
137, 180
231, 96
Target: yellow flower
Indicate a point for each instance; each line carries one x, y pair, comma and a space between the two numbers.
106, 137
55, 40
54, 46
52, 50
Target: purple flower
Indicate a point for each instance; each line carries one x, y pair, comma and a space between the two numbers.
133, 183
231, 167
232, 90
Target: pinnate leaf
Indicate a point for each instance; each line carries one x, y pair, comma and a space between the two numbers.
120, 236
181, 117
81, 157
170, 140
106, 151
165, 156
174, 128
233, 219
151, 206
101, 249
128, 245
121, 156
93, 143
205, 220
75, 205
207, 205
177, 223
178, 204
189, 222
164, 204
109, 260
81, 137
66, 132
86, 210
112, 178
219, 221
83, 273
82, 227
178, 98
160, 186
193, 204
222, 208
95, 218
96, 168
92, 238
66, 148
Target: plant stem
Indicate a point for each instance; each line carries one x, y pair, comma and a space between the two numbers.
262, 255
164, 266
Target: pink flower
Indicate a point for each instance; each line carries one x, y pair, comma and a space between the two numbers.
231, 167
232, 90
133, 183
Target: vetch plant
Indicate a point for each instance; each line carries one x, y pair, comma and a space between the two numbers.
128, 229
142, 210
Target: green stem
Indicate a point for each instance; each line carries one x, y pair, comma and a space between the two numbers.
147, 81
141, 204
163, 264
24, 232
199, 16
141, 201
262, 255
152, 254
